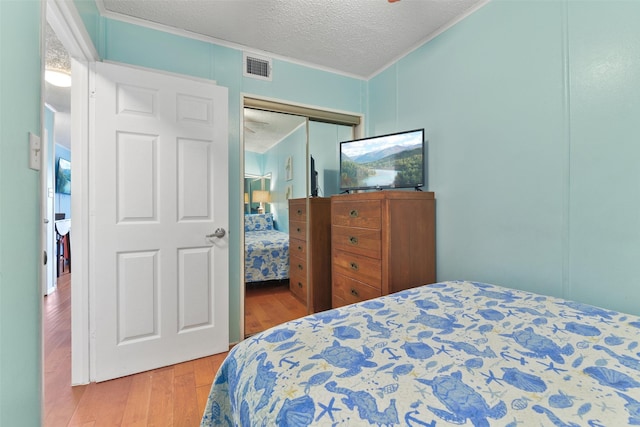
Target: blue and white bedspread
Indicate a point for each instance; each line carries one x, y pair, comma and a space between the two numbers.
266, 250
453, 353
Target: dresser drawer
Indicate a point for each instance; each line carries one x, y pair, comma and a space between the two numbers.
298, 284
298, 210
297, 230
298, 248
363, 269
297, 266
351, 291
336, 301
362, 241
364, 214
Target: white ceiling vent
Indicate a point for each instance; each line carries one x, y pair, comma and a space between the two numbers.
257, 67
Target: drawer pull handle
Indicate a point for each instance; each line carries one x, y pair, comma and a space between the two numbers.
298, 230
353, 213
299, 211
354, 266
299, 285
353, 240
354, 292
300, 267
300, 248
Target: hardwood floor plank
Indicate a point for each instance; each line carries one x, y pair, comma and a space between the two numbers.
161, 400
183, 368
185, 402
136, 410
103, 403
202, 393
59, 396
203, 371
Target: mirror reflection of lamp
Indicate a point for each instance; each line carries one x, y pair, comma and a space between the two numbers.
262, 197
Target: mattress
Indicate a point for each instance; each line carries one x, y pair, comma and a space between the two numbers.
450, 353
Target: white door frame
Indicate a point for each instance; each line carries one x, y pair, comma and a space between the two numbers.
47, 183
67, 24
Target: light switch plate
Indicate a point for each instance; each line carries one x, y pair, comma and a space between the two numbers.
35, 152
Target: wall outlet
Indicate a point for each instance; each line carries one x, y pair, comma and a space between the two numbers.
35, 152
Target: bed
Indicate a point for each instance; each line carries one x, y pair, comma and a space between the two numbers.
450, 353
266, 250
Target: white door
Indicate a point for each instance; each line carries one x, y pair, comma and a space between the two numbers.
159, 191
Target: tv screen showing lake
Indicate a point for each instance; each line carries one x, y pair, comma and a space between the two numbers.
382, 178
388, 161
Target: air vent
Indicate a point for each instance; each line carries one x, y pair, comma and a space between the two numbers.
256, 67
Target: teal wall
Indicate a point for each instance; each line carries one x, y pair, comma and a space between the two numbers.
604, 75
531, 114
324, 145
294, 145
253, 163
140, 46
20, 256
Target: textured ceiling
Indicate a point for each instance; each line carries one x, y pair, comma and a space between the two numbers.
264, 129
355, 37
57, 58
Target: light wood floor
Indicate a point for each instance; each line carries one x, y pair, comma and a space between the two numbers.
171, 396
269, 305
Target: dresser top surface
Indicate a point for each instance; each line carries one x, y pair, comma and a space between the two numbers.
386, 194
312, 200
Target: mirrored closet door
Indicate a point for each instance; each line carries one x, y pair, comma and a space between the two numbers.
286, 149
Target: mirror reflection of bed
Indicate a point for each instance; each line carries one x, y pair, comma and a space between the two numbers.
277, 147
268, 301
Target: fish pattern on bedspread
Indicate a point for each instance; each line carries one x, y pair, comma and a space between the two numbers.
266, 254
451, 353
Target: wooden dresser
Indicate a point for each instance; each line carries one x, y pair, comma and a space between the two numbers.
310, 251
381, 242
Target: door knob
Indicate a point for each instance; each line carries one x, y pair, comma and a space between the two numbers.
219, 233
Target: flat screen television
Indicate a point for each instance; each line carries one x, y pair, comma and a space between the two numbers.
380, 162
63, 176
313, 178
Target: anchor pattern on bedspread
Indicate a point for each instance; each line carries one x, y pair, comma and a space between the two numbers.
448, 354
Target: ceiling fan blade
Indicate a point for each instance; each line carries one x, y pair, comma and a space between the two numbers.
258, 122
